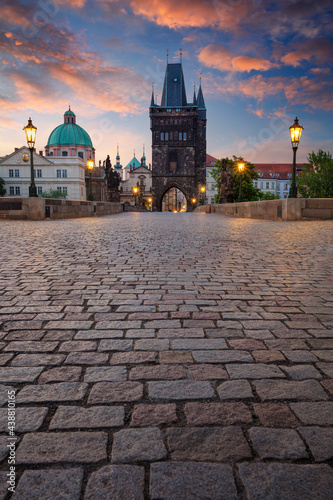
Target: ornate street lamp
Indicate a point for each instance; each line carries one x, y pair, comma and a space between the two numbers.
203, 190
295, 135
240, 169
150, 201
90, 166
135, 190
30, 132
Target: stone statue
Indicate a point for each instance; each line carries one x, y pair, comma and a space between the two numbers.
108, 164
226, 184
113, 179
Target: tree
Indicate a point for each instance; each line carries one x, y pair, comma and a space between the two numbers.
316, 179
250, 193
2, 187
53, 193
268, 196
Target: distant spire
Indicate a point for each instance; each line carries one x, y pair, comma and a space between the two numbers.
167, 56
180, 55
194, 97
134, 153
201, 101
143, 159
152, 102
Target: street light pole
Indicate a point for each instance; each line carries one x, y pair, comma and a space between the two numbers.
30, 132
295, 135
203, 190
90, 166
135, 190
240, 168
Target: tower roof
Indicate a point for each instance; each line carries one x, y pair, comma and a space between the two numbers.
201, 101
174, 93
69, 133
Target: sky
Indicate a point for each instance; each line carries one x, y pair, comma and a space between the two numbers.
261, 63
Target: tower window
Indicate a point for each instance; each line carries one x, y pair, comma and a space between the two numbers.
185, 136
180, 136
162, 136
65, 153
80, 155
173, 159
166, 136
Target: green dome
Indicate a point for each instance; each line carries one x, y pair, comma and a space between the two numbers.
69, 134
69, 112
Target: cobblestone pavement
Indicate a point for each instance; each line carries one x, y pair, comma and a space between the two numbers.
168, 356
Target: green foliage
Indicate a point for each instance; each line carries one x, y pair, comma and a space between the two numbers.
2, 187
268, 196
53, 193
316, 179
250, 193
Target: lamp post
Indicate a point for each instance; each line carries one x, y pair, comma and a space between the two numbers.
90, 166
203, 190
30, 132
135, 190
295, 135
150, 201
240, 169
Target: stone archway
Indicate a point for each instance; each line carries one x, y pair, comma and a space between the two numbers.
177, 199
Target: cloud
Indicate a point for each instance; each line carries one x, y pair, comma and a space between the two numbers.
258, 112
319, 50
220, 57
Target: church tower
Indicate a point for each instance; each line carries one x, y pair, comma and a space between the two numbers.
178, 140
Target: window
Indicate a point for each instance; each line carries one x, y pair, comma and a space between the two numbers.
255, 184
166, 136
64, 190
11, 189
39, 172
82, 191
17, 172
58, 173
64, 173
180, 136
39, 190
64, 153
11, 173
80, 154
173, 158
267, 185
59, 189
278, 186
185, 136
17, 190
286, 186
273, 185
261, 185
162, 136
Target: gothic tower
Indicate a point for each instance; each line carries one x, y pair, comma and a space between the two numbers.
178, 140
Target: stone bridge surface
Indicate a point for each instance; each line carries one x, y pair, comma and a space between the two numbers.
167, 356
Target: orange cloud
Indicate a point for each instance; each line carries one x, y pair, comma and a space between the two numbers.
318, 49
220, 57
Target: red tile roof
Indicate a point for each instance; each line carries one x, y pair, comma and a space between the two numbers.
209, 160
283, 169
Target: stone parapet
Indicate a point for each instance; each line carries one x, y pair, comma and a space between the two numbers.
286, 209
49, 208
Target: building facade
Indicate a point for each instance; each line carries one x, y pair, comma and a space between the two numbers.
275, 178
178, 140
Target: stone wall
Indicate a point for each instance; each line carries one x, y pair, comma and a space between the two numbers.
286, 209
48, 208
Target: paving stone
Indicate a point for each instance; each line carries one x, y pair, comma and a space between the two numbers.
25, 335
207, 372
105, 373
247, 344
140, 333
3, 485
98, 334
328, 385
71, 417
151, 345
4, 393
38, 359
118, 325
275, 415
235, 389
227, 356
285, 389
58, 484
228, 333
217, 413
190, 480
147, 415
61, 374
109, 392
326, 368
26, 419
302, 372
175, 357
180, 389
287, 345
136, 445
295, 482
258, 370
60, 335
116, 482
324, 355
64, 391
59, 447
17, 375
175, 333
268, 356
198, 344
320, 413
300, 356
22, 325
4, 358
158, 372
115, 345
129, 358
319, 440
87, 358
283, 444
77, 345
31, 346
215, 444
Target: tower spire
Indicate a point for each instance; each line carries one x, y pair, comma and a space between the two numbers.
152, 103
194, 96
181, 55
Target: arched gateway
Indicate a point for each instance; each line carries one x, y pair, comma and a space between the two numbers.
178, 140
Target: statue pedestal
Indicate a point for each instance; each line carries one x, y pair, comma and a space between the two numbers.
113, 195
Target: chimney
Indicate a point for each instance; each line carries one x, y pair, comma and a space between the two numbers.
16, 149
41, 153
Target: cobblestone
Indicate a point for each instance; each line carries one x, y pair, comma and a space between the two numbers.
197, 342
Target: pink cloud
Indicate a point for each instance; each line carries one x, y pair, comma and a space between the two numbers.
220, 57
318, 49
